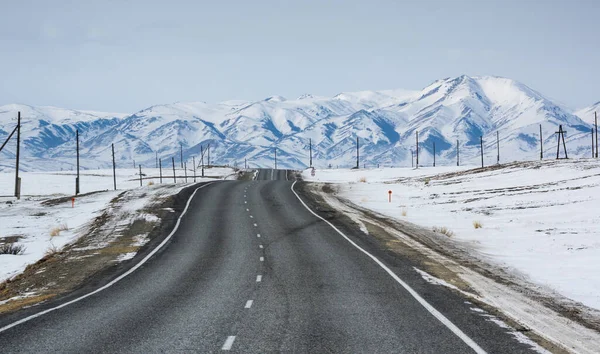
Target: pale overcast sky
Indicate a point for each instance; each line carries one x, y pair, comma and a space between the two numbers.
127, 55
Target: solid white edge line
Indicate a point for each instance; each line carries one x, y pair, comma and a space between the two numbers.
228, 343
451, 326
116, 280
258, 278
262, 259
249, 304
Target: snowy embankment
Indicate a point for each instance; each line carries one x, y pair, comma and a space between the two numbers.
41, 226
539, 220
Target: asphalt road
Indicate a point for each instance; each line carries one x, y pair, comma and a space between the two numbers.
251, 270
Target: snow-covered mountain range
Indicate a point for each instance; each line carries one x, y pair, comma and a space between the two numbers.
447, 112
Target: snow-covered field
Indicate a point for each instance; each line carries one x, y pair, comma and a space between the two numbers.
28, 222
539, 220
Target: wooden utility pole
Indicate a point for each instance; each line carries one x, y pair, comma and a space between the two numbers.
481, 147
457, 154
596, 123
17, 178
561, 135
310, 152
77, 147
357, 154
202, 159
194, 163
156, 163
417, 149
140, 175
181, 153
185, 171
412, 159
208, 156
174, 177
498, 146
275, 157
541, 144
160, 169
593, 155
114, 167
434, 154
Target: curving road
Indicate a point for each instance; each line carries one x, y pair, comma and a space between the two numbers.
252, 270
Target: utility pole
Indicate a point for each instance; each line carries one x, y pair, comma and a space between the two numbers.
434, 154
160, 169
17, 178
194, 163
498, 145
412, 159
275, 157
185, 171
77, 147
417, 149
181, 153
596, 123
114, 167
202, 159
561, 135
481, 146
134, 164
357, 154
310, 151
140, 175
541, 144
593, 143
245, 164
156, 165
208, 157
174, 177
457, 154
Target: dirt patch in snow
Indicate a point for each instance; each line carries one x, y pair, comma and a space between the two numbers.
100, 253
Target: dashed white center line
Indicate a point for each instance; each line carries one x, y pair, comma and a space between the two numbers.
260, 246
245, 202
258, 278
251, 217
228, 343
248, 304
247, 209
257, 235
255, 225
262, 259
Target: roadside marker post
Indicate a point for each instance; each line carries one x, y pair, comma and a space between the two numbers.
73, 202
390, 196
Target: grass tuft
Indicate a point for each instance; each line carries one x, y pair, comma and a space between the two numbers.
55, 231
443, 230
404, 212
151, 183
362, 179
477, 224
11, 248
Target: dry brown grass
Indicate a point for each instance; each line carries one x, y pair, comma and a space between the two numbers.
477, 224
151, 183
51, 251
362, 179
404, 212
443, 230
55, 231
